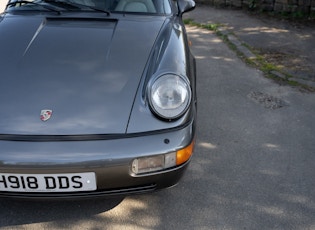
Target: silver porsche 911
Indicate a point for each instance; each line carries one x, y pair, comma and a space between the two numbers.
97, 97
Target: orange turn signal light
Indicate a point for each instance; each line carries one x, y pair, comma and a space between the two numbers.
184, 154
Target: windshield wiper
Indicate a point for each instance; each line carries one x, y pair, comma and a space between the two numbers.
70, 4
32, 3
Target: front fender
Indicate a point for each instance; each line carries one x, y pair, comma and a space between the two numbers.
170, 54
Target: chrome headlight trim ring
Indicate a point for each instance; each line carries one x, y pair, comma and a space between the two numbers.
169, 96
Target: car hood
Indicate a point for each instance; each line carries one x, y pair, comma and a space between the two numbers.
86, 71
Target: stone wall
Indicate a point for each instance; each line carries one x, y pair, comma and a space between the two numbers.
295, 8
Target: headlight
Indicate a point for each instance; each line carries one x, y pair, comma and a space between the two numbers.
169, 96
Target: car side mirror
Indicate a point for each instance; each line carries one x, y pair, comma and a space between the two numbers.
185, 6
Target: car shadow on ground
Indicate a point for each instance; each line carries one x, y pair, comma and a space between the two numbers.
18, 211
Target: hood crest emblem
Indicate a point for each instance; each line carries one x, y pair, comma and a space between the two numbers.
45, 114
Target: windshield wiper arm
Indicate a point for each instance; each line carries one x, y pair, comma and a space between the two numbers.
100, 10
32, 3
76, 5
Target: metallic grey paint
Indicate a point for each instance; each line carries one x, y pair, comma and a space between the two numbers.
92, 70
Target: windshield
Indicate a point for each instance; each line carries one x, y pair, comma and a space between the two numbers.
120, 6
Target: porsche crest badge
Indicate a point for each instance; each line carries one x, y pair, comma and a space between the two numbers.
45, 114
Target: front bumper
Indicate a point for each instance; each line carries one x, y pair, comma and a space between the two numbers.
109, 159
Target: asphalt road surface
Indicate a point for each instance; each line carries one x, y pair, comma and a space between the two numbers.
253, 166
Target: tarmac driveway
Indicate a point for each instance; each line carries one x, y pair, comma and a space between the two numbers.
256, 147
253, 166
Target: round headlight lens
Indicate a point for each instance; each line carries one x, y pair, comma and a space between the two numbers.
170, 96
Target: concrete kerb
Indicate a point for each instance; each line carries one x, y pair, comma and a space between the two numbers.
242, 47
245, 51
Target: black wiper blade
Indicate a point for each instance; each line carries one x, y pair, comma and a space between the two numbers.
63, 4
70, 4
23, 2
100, 10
